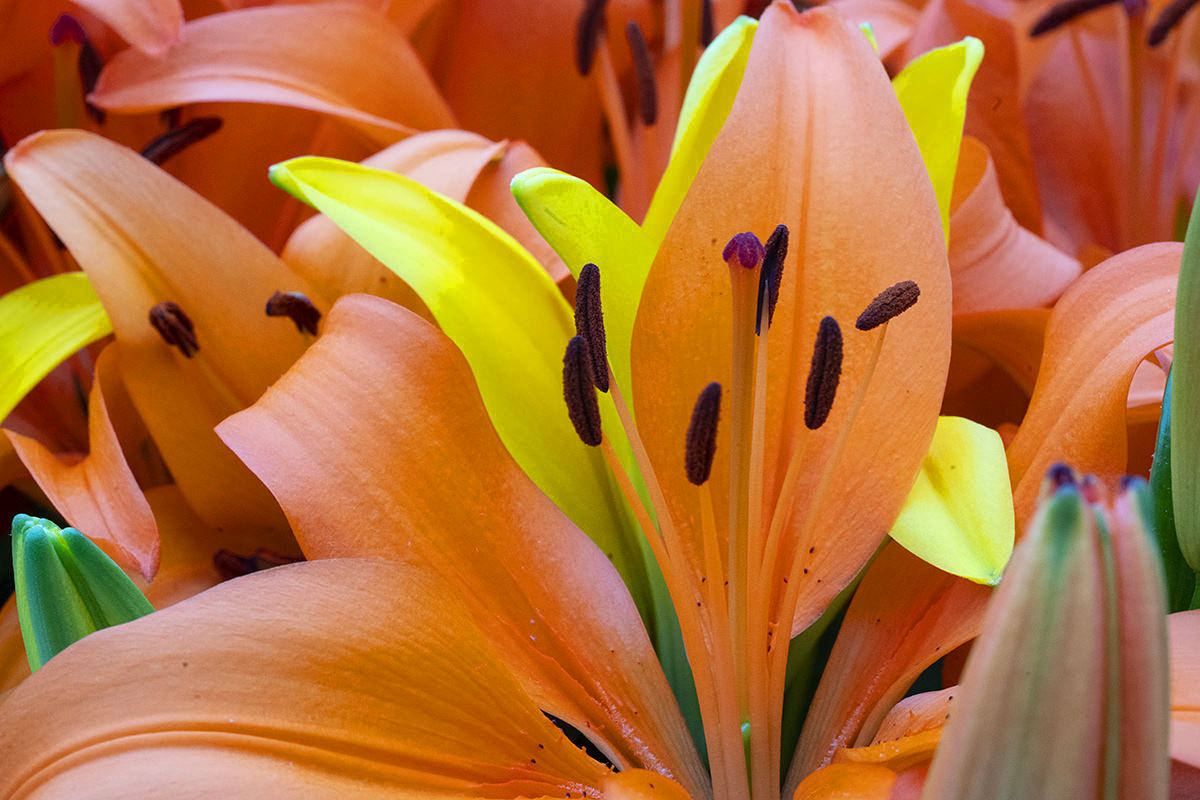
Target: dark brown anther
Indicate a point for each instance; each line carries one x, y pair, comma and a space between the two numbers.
68, 27
580, 392
888, 304
643, 70
589, 323
1167, 20
707, 30
702, 434
824, 373
175, 140
230, 565
174, 327
296, 307
1062, 13
744, 250
587, 32
774, 252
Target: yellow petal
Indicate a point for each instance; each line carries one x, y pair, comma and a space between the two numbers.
41, 324
708, 102
584, 226
932, 90
959, 514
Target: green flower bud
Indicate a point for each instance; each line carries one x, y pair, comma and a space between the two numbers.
66, 588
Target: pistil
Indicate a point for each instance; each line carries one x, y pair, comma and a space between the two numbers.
744, 255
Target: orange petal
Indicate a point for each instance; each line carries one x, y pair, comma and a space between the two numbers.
905, 615
14, 666
144, 238
640, 784
97, 495
896, 754
1184, 652
1107, 322
994, 262
327, 679
346, 60
406, 465
1011, 339
847, 782
151, 26
23, 36
916, 714
508, 70
229, 168
811, 82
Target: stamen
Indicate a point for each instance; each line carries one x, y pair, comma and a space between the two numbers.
702, 434
174, 327
643, 70
774, 252
177, 139
296, 307
171, 117
824, 374
230, 565
89, 73
1059, 475
744, 250
1062, 13
587, 30
589, 323
65, 29
888, 304
706, 23
1167, 20
580, 393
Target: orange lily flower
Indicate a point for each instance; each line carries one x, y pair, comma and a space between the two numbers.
1087, 123
353, 477
93, 191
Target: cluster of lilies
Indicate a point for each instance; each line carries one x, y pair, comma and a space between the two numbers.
628, 399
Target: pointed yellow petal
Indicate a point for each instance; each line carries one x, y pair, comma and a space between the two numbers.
959, 514
584, 226
932, 90
42, 323
709, 99
496, 303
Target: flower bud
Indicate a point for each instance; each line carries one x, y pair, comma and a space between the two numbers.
66, 588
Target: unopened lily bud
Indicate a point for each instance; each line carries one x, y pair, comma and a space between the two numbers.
1065, 694
66, 588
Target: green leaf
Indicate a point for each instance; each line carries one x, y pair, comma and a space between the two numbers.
959, 514
1180, 579
66, 588
507, 317
41, 323
932, 91
1185, 399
